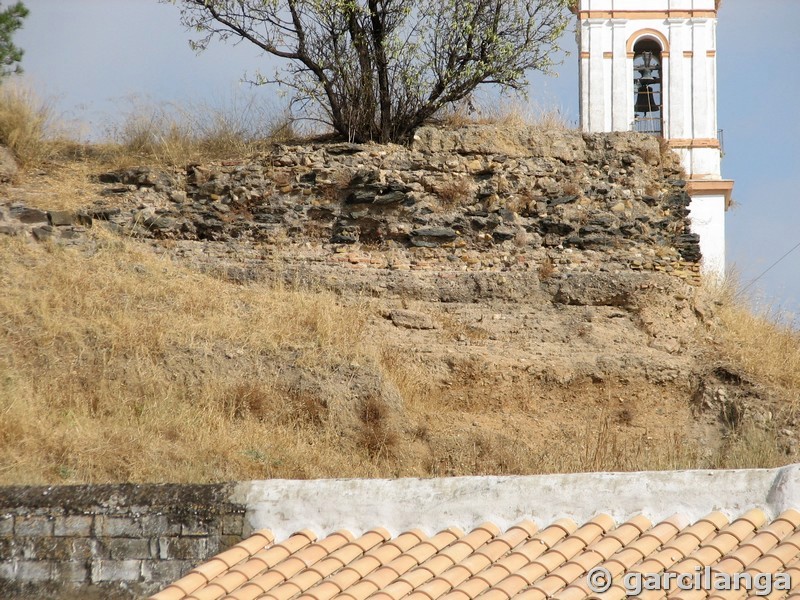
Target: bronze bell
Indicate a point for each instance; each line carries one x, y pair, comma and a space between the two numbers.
646, 100
648, 69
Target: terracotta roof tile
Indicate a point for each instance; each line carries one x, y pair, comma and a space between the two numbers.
169, 593
481, 558
489, 564
249, 569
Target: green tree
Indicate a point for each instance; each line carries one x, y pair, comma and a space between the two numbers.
378, 69
10, 21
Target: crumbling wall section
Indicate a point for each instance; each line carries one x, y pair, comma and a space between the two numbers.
477, 198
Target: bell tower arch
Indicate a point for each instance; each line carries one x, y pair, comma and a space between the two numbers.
650, 66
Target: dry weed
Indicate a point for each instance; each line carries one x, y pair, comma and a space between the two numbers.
547, 268
377, 436
757, 340
752, 447
504, 112
571, 189
28, 126
120, 366
176, 135
455, 192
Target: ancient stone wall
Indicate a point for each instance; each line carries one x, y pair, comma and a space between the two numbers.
472, 199
109, 541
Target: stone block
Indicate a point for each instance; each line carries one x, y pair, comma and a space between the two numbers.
194, 527
116, 570
84, 548
159, 525
213, 545
233, 524
28, 215
45, 232
60, 218
191, 548
105, 526
8, 570
163, 571
34, 570
7, 548
36, 526
46, 548
227, 541
162, 548
73, 526
72, 572
125, 548
6, 525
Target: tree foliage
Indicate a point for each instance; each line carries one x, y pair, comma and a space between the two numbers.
10, 21
378, 69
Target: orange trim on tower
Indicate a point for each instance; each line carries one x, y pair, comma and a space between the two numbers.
693, 143
646, 14
653, 34
711, 187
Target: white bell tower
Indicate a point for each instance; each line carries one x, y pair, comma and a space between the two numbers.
650, 66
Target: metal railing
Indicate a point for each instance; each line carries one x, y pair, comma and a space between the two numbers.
655, 126
651, 125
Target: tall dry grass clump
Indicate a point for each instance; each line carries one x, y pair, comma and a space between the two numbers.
178, 134
27, 124
757, 339
504, 112
121, 366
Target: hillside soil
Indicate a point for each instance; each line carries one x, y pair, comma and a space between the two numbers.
154, 357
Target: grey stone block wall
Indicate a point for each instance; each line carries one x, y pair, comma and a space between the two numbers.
110, 541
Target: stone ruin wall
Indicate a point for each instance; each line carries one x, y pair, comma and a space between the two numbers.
473, 199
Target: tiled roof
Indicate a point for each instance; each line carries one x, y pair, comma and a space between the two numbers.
524, 562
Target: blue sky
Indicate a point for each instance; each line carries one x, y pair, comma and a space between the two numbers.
92, 55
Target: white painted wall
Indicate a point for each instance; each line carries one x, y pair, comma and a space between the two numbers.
707, 214
433, 504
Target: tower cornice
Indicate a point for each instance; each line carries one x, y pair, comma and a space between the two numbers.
646, 14
666, 13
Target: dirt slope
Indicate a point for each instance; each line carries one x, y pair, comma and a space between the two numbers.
293, 355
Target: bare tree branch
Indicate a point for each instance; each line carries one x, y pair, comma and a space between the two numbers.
378, 69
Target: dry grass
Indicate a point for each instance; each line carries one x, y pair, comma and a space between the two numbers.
28, 126
120, 366
376, 435
166, 134
756, 340
176, 135
117, 365
547, 268
455, 192
67, 185
504, 112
